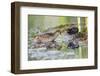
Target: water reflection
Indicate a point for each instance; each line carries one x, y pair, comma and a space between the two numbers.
43, 54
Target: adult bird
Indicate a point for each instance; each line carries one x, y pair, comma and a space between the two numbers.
46, 37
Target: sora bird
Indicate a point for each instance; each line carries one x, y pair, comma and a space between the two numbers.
46, 37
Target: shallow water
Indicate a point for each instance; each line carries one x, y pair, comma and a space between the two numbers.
52, 54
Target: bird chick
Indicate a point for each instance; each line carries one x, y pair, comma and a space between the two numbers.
72, 30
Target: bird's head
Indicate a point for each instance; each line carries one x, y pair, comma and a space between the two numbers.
72, 30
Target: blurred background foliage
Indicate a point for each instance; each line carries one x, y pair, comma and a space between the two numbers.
40, 23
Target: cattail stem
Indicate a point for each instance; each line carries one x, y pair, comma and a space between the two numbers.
79, 27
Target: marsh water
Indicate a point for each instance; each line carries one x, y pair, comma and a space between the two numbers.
43, 54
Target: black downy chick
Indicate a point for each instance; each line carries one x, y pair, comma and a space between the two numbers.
72, 30
73, 45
